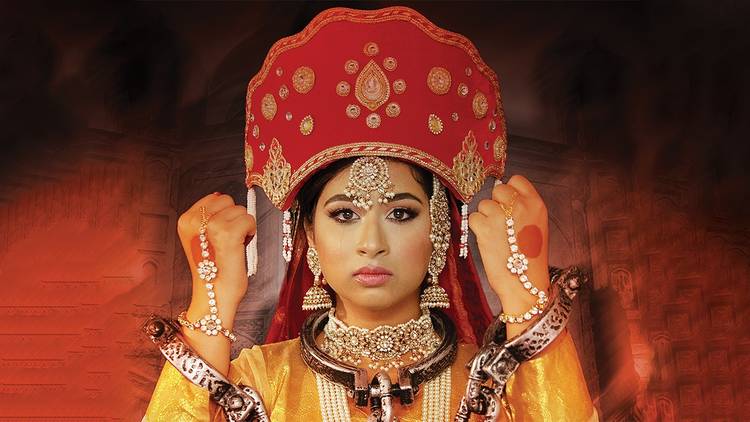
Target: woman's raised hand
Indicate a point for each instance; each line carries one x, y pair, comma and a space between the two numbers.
532, 237
229, 227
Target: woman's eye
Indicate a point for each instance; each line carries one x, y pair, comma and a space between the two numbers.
402, 214
343, 215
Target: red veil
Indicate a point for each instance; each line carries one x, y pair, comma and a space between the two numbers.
469, 310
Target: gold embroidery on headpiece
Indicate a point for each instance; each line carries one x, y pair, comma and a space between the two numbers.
371, 49
306, 125
463, 90
500, 152
468, 71
390, 63
372, 88
277, 173
268, 106
373, 120
256, 131
399, 86
283, 92
351, 67
435, 124
279, 71
288, 116
492, 125
352, 110
479, 105
439, 80
303, 79
367, 175
468, 167
343, 88
248, 157
392, 110
454, 116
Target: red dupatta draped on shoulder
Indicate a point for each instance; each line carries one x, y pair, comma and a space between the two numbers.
469, 310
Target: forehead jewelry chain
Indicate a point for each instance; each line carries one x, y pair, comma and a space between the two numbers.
367, 175
518, 264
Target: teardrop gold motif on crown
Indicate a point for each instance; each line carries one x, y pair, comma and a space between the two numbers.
372, 86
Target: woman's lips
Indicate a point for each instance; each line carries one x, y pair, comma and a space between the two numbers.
372, 280
372, 276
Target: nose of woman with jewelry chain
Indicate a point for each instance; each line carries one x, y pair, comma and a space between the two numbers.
512, 235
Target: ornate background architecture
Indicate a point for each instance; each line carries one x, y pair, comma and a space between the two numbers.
627, 117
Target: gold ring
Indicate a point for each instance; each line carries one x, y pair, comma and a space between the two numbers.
509, 209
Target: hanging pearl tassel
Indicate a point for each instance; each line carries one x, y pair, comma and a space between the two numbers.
251, 250
463, 251
286, 240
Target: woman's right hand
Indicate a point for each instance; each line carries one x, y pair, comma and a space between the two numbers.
229, 228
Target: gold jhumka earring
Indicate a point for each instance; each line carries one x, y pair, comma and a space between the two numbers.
434, 296
316, 297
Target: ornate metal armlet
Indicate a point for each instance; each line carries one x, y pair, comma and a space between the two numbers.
240, 403
499, 358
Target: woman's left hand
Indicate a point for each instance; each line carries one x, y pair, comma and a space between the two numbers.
532, 236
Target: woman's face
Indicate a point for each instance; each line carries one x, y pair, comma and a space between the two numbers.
373, 259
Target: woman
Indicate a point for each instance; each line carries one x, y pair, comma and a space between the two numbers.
373, 126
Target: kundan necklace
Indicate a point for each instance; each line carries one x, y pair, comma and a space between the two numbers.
384, 346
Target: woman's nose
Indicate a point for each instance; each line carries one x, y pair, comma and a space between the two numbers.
372, 241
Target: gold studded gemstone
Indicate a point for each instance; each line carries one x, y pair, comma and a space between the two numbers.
439, 80
463, 90
283, 92
479, 105
351, 66
268, 106
392, 110
371, 49
306, 125
343, 88
399, 86
352, 111
390, 63
435, 124
303, 79
373, 120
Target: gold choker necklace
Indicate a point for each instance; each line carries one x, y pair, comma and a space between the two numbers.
384, 346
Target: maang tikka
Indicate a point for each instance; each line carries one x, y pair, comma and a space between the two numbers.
434, 296
367, 175
316, 296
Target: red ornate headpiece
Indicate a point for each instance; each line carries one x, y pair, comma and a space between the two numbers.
385, 83
382, 82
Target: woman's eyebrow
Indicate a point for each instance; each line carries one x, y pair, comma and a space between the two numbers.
396, 197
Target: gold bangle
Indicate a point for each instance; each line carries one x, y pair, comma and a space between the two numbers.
182, 319
536, 309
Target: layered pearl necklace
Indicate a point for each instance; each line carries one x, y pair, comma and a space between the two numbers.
387, 343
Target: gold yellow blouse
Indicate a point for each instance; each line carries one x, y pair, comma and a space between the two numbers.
550, 387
